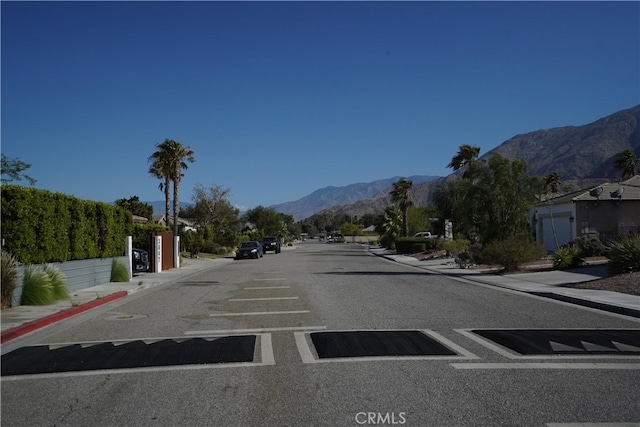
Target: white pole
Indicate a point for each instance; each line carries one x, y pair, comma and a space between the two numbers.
129, 246
176, 251
158, 254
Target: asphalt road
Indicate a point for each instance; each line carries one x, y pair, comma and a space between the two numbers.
286, 310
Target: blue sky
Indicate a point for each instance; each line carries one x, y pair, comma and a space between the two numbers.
279, 99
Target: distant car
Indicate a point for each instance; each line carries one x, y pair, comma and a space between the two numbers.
271, 243
140, 260
424, 235
250, 249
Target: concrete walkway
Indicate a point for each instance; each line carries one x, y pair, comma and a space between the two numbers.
18, 321
542, 283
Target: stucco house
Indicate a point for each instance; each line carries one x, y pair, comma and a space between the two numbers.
608, 210
183, 224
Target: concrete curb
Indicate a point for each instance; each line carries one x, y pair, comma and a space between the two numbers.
28, 327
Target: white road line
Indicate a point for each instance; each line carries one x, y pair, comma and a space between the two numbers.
534, 365
262, 299
255, 331
260, 313
266, 287
269, 280
266, 347
304, 349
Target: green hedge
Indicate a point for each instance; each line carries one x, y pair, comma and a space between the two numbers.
412, 245
39, 226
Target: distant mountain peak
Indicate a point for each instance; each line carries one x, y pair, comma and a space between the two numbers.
331, 196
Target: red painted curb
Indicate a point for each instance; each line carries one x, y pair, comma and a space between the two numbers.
31, 326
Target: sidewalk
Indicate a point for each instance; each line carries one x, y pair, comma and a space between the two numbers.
21, 320
544, 283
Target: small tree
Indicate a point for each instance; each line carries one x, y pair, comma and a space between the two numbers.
390, 226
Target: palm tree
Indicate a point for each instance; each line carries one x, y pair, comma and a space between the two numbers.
625, 162
400, 195
552, 185
466, 156
161, 168
168, 162
390, 226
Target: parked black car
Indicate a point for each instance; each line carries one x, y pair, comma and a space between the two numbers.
271, 243
140, 260
250, 249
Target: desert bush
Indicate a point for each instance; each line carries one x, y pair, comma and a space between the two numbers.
588, 245
624, 254
36, 287
408, 245
456, 247
567, 257
9, 273
119, 271
58, 281
512, 251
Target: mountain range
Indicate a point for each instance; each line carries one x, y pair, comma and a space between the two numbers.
583, 156
329, 197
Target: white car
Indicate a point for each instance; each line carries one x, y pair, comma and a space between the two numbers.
424, 235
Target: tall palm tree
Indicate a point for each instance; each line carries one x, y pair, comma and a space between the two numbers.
552, 185
466, 156
400, 195
625, 162
167, 163
161, 168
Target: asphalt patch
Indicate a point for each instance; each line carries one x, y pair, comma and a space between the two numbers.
376, 344
566, 341
135, 354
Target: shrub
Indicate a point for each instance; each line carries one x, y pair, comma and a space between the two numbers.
119, 272
58, 281
36, 287
567, 257
512, 251
624, 254
456, 247
408, 245
9, 272
588, 245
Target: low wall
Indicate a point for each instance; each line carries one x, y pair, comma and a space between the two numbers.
80, 274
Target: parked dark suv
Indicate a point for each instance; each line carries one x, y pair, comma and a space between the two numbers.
271, 243
140, 260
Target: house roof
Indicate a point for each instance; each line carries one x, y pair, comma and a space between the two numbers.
140, 219
625, 190
181, 221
